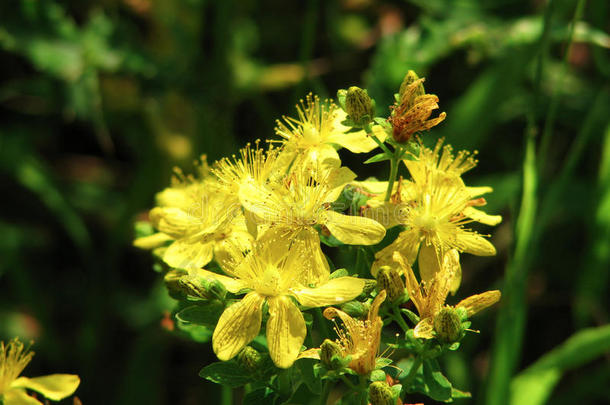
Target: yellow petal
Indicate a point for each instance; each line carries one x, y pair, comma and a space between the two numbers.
424, 329
354, 230
407, 243
442, 282
19, 397
481, 216
229, 252
184, 254
237, 326
286, 331
336, 180
479, 302
386, 213
429, 262
473, 243
54, 387
152, 241
477, 191
355, 142
374, 310
322, 157
335, 291
372, 186
233, 285
310, 354
313, 267
172, 221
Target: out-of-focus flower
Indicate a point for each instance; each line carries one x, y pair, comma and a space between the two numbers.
14, 357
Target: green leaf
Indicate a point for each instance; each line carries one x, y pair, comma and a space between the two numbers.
380, 157
258, 396
438, 387
382, 362
206, 314
535, 384
228, 373
308, 374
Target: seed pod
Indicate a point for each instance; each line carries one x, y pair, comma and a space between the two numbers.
359, 106
380, 393
448, 325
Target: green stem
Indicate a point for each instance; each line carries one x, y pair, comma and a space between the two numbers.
369, 131
226, 395
349, 383
393, 173
399, 319
325, 392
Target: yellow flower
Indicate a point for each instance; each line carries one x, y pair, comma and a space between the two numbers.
254, 165
13, 359
358, 339
272, 275
311, 137
412, 112
434, 208
429, 297
441, 160
291, 210
200, 221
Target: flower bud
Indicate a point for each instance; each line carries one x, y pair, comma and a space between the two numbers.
355, 309
250, 359
359, 106
331, 354
448, 325
380, 393
388, 279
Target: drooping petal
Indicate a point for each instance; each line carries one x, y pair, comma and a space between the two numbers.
424, 329
411, 282
286, 331
233, 285
442, 282
374, 310
229, 252
152, 241
354, 230
172, 221
335, 291
407, 243
479, 302
54, 387
477, 191
19, 397
237, 326
186, 254
351, 324
481, 216
475, 244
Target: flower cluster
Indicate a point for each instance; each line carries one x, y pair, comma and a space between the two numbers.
247, 233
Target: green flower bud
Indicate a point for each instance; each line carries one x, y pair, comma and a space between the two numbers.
388, 279
331, 354
355, 309
448, 325
359, 106
179, 282
380, 393
250, 359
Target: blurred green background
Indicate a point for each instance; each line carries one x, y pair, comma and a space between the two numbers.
100, 99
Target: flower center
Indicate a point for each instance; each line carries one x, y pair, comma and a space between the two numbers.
269, 283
